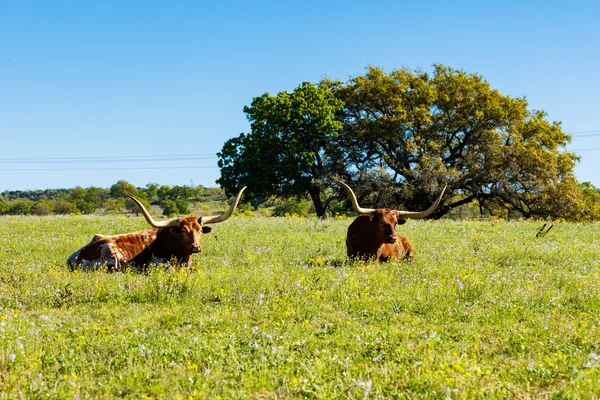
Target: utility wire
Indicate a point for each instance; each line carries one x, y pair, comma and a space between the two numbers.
103, 169
586, 135
594, 149
182, 157
123, 160
577, 133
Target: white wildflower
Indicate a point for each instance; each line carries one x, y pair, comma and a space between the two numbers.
366, 386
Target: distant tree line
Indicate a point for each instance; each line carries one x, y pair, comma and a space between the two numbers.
171, 199
397, 138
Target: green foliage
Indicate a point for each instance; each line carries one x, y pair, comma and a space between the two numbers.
43, 207
20, 207
84, 207
3, 207
94, 199
95, 196
114, 205
151, 192
169, 207
121, 188
65, 207
589, 203
164, 193
293, 207
131, 207
273, 309
450, 127
285, 153
182, 206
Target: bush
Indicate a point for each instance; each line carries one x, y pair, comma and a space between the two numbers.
182, 206
169, 207
43, 207
114, 205
133, 208
65, 207
292, 207
20, 207
84, 206
3, 207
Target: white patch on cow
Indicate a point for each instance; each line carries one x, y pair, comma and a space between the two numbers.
72, 260
109, 255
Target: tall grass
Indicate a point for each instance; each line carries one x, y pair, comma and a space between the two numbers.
272, 308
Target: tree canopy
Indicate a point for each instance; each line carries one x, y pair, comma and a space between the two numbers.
285, 154
80, 200
452, 128
399, 137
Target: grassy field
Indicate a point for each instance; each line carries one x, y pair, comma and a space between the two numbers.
272, 309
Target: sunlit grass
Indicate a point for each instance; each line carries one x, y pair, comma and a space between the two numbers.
272, 309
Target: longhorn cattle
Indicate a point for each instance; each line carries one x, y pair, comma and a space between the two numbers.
373, 232
175, 239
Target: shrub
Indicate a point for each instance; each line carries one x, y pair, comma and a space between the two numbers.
20, 207
84, 206
65, 207
182, 206
169, 207
43, 207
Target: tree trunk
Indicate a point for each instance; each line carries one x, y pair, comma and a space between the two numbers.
315, 195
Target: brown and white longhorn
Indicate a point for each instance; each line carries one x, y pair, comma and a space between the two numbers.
175, 239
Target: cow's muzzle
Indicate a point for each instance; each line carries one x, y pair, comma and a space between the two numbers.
195, 248
392, 239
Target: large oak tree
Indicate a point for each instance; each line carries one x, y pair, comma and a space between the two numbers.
417, 131
399, 137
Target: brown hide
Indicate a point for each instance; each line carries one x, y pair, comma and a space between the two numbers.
113, 250
375, 236
174, 244
373, 232
143, 247
174, 240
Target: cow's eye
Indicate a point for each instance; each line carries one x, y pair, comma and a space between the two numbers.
176, 231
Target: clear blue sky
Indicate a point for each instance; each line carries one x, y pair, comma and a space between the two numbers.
131, 80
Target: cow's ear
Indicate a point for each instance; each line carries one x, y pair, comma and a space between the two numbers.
176, 230
401, 221
206, 229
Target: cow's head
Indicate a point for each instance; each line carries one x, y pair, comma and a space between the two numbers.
386, 219
184, 233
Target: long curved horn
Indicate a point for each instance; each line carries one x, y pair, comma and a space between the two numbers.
421, 214
359, 210
213, 219
153, 223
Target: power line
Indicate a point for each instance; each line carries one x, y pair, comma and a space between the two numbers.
123, 160
594, 149
103, 169
586, 135
166, 157
576, 133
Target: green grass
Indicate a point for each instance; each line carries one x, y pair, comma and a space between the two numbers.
273, 309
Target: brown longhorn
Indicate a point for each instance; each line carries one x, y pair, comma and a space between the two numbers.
373, 232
